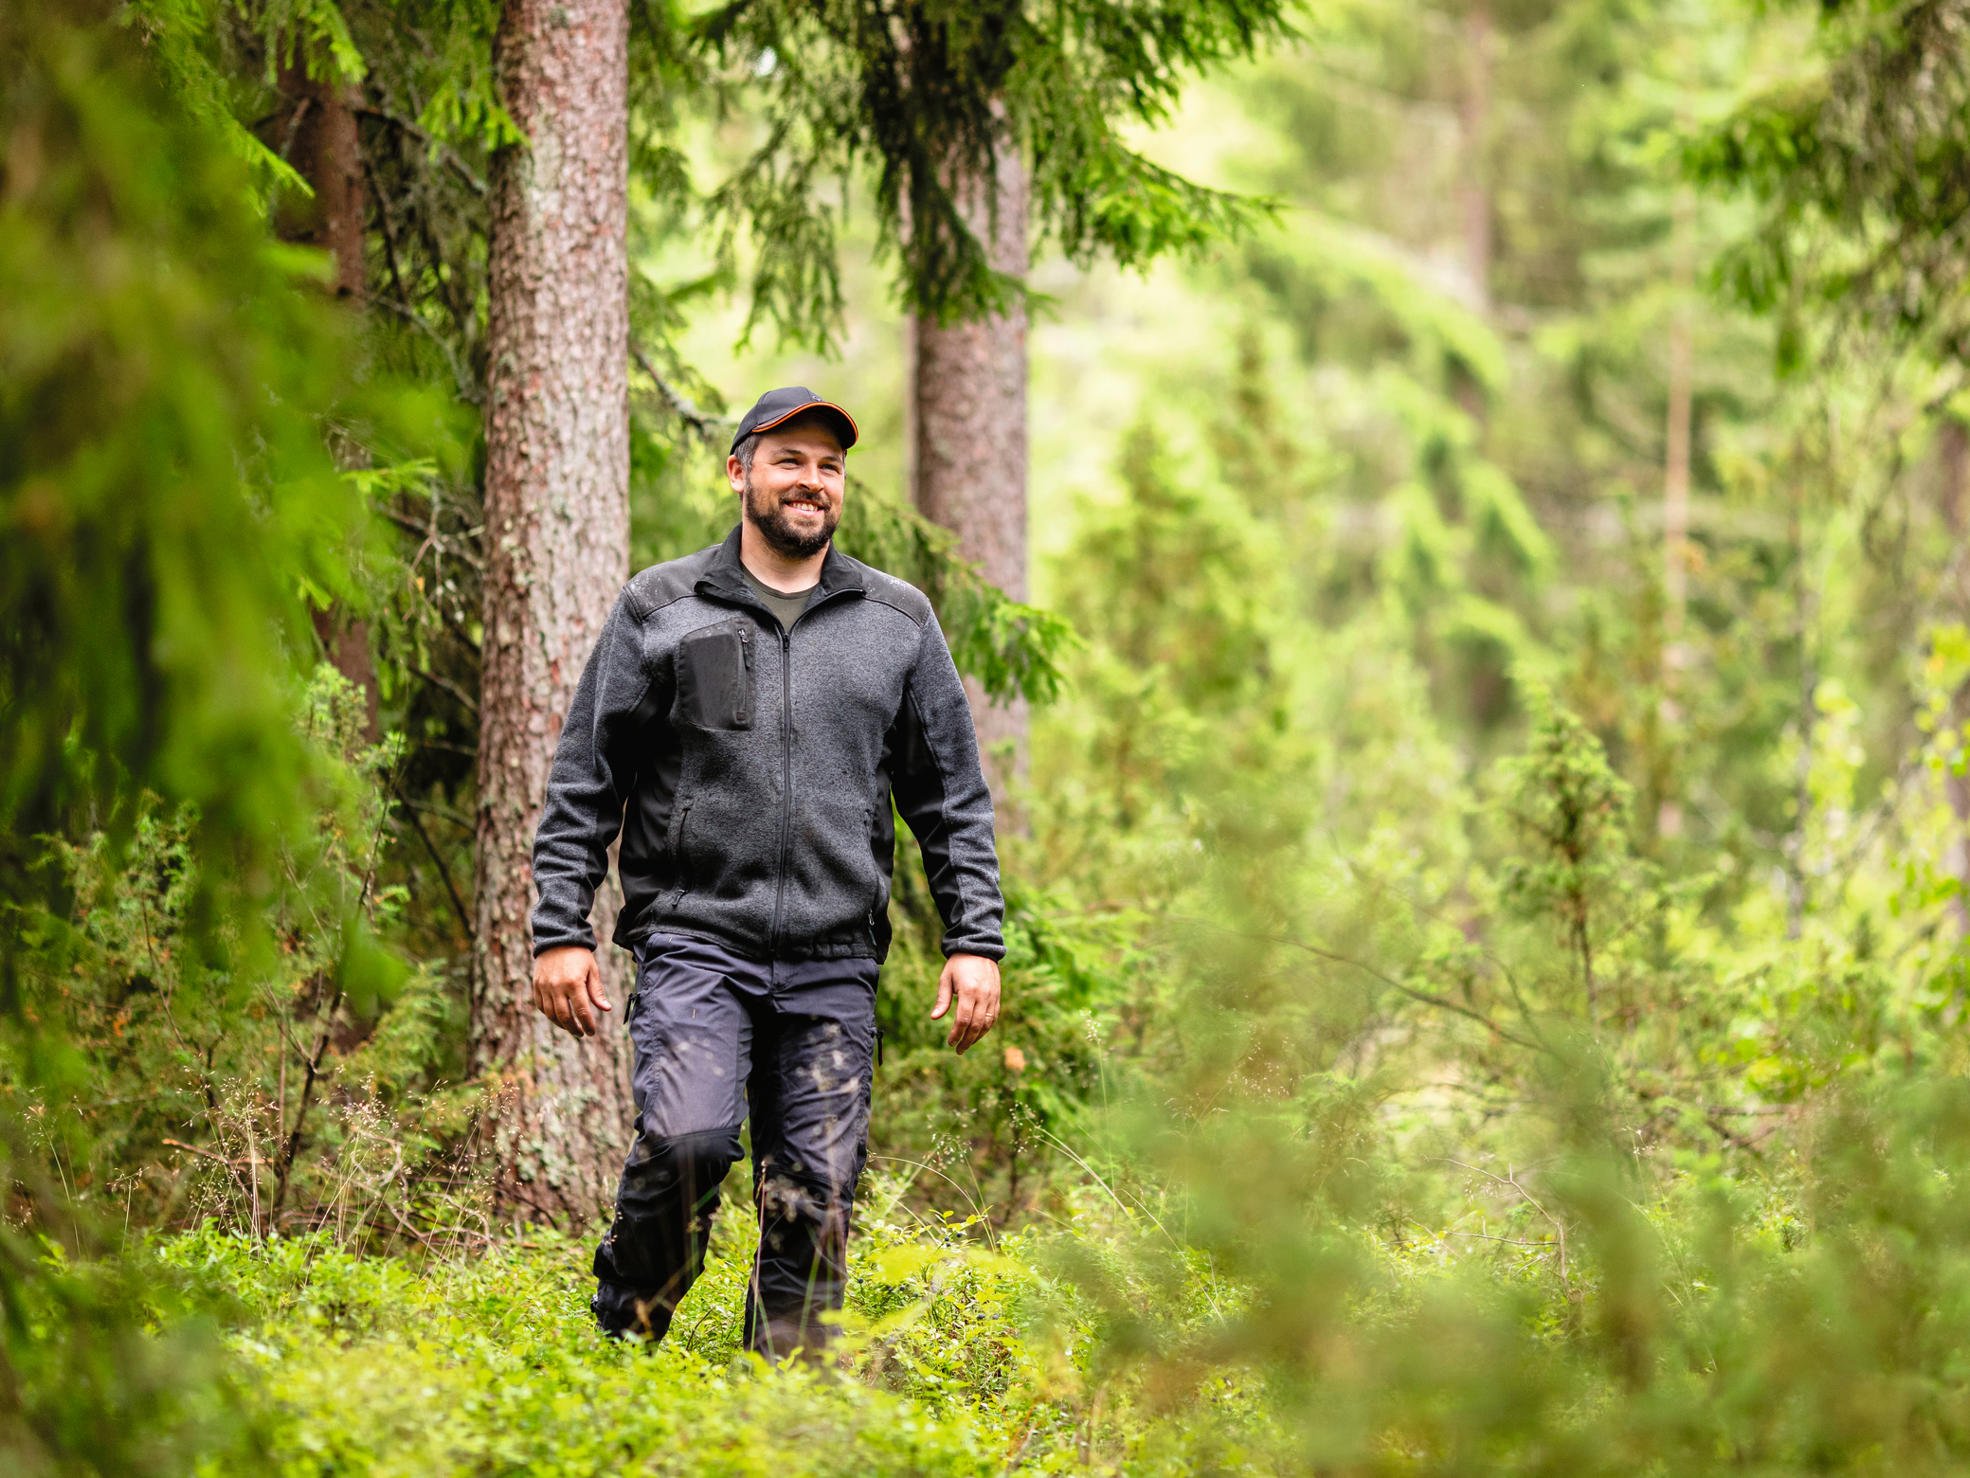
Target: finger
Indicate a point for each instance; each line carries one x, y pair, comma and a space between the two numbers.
960, 1037
983, 1017
597, 996
943, 996
570, 1011
582, 1013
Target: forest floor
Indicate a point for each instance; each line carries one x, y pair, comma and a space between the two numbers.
481, 1358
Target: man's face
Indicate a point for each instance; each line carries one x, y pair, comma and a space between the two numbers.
793, 493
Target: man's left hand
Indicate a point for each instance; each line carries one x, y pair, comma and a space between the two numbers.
972, 981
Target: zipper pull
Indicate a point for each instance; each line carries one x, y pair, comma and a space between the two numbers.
745, 644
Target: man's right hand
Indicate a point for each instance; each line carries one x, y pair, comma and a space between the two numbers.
568, 989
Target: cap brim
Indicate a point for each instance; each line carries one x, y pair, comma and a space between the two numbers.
814, 405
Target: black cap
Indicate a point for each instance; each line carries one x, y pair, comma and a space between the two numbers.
776, 407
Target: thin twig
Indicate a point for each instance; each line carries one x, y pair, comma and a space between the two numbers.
706, 427
450, 155
444, 872
193, 1149
449, 688
1425, 997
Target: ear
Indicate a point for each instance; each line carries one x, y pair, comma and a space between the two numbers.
735, 474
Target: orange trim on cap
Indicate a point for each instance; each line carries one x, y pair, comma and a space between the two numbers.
855, 432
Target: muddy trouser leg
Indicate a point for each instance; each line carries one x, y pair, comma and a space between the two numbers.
692, 1029
809, 1095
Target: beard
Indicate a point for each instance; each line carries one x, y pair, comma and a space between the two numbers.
777, 528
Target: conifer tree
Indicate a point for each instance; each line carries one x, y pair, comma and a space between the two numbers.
967, 418
1860, 161
318, 127
557, 552
989, 129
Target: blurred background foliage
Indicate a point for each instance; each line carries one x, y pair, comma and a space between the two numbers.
1488, 896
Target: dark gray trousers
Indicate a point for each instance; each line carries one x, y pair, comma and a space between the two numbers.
715, 1034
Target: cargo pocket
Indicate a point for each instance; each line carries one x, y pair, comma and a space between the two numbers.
715, 676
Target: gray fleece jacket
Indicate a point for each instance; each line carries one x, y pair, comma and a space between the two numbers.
750, 770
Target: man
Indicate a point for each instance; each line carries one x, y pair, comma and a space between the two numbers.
746, 718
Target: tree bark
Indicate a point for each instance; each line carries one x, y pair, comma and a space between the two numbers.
1953, 455
318, 126
1676, 503
968, 419
557, 553
1474, 126
1474, 189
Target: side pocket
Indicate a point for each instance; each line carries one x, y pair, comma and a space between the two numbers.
869, 839
875, 868
679, 817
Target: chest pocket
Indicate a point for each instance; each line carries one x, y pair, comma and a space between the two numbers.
715, 676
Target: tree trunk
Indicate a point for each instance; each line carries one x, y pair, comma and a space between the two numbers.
1953, 454
968, 419
1676, 506
557, 553
1474, 189
1474, 125
318, 127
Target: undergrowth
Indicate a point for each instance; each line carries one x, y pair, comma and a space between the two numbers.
959, 1352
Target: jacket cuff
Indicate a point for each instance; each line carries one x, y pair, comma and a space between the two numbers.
990, 949
561, 938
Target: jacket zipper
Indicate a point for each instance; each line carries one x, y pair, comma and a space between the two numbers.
786, 760
786, 776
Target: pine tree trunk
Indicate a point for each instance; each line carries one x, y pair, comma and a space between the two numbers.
1953, 455
1474, 189
557, 553
1676, 506
318, 124
968, 419
1474, 126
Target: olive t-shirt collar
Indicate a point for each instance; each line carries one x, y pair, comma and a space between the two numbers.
786, 607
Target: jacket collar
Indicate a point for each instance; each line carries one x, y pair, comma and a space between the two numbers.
725, 576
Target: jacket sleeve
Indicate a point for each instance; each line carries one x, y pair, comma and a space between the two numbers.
940, 790
593, 773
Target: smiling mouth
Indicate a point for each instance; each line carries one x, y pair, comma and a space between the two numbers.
802, 505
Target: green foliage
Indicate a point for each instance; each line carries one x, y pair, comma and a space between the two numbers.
205, 1084
1569, 818
110, 1370
161, 376
935, 93
479, 1358
1856, 153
